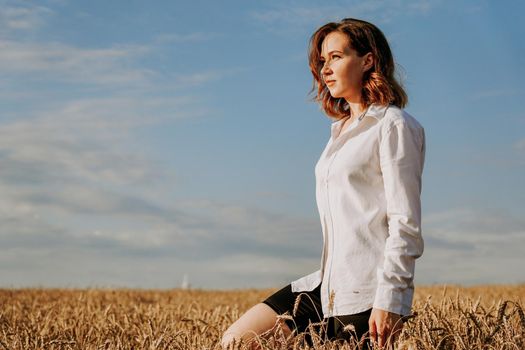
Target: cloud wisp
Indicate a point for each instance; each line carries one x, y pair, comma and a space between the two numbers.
470, 246
77, 186
291, 16
20, 16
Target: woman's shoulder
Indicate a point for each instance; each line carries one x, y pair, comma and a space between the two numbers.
396, 116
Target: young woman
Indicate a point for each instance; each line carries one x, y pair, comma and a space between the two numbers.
368, 186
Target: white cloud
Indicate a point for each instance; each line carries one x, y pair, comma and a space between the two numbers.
200, 78
31, 60
60, 62
469, 246
169, 38
477, 223
87, 139
225, 251
21, 16
217, 252
422, 6
491, 260
291, 15
75, 186
484, 94
520, 145
114, 67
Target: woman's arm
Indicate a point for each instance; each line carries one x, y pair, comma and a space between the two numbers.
402, 154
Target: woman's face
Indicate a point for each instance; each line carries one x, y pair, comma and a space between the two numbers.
343, 69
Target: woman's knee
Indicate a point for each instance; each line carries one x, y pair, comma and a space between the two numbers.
257, 320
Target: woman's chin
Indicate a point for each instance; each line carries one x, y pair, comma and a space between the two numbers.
335, 93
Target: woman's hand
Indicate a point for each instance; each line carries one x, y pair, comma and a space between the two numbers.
384, 324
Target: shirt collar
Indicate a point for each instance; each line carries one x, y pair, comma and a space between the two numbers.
375, 110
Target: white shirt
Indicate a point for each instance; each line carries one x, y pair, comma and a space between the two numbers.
368, 187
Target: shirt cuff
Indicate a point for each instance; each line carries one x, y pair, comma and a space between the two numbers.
394, 300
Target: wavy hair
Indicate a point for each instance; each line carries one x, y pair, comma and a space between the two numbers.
379, 83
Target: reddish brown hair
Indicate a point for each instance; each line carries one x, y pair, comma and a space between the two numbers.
379, 83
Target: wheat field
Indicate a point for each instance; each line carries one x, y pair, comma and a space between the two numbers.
445, 317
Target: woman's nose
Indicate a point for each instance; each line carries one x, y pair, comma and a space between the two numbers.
325, 69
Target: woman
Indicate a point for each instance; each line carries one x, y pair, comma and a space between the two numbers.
368, 186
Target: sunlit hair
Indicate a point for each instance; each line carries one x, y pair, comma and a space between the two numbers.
379, 83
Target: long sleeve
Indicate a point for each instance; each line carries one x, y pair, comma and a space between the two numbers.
402, 156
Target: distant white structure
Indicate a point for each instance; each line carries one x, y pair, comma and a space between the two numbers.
185, 282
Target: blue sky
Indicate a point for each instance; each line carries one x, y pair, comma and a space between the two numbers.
141, 141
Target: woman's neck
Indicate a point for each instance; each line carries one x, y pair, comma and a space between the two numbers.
355, 108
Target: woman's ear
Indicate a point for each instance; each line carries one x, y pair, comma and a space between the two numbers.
368, 61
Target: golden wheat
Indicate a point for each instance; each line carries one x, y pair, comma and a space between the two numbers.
445, 317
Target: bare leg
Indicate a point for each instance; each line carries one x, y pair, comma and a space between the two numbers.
257, 320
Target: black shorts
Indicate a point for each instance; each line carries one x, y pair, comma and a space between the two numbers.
310, 311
